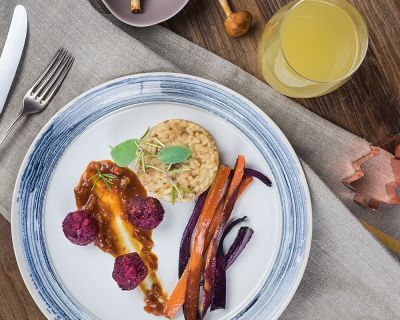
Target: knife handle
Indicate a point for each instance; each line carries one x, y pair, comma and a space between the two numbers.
12, 52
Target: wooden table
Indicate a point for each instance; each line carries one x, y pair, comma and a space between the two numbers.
368, 105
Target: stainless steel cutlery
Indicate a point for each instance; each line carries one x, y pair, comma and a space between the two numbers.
38, 97
12, 52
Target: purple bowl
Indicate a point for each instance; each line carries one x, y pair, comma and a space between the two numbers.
153, 11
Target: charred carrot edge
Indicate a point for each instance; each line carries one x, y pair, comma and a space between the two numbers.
244, 185
214, 223
177, 298
196, 257
187, 283
229, 202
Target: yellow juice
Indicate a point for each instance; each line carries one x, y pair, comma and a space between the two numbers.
320, 41
310, 47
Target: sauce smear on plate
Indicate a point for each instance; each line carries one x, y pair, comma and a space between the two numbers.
104, 190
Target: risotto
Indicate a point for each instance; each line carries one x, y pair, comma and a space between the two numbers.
186, 180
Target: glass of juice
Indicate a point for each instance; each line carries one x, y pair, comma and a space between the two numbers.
311, 47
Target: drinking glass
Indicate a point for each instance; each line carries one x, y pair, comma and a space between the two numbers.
311, 47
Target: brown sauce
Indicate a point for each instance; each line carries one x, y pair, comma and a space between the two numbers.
107, 205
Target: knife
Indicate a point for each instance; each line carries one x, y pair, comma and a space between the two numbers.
12, 51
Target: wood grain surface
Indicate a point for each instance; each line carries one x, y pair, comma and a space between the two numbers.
368, 105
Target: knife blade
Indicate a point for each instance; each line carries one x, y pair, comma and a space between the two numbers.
12, 51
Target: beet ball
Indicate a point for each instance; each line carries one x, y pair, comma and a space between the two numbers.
129, 271
80, 227
146, 213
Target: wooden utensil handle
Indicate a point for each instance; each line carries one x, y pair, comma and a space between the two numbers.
226, 7
135, 6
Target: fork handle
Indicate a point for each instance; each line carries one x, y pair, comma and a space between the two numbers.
9, 129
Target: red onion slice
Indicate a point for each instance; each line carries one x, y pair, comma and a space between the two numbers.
184, 250
260, 176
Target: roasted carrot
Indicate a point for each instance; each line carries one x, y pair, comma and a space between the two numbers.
214, 223
196, 257
186, 288
222, 220
212, 271
244, 185
177, 297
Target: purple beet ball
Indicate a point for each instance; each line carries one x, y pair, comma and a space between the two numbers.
129, 271
80, 227
146, 213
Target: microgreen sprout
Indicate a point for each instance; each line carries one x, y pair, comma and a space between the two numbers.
133, 151
178, 189
107, 179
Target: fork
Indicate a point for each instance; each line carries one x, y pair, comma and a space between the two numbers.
42, 92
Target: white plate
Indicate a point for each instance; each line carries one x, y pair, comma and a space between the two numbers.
75, 282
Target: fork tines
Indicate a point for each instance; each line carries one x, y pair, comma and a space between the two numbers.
50, 81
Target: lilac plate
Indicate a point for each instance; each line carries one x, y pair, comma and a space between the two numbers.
154, 11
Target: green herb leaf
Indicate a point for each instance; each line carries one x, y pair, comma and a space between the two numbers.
142, 162
145, 134
95, 182
154, 168
109, 175
151, 144
124, 153
178, 190
159, 142
179, 170
105, 177
172, 195
174, 154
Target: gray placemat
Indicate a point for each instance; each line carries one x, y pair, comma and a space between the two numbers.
349, 274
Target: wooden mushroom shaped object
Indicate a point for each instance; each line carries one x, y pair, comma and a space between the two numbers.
236, 23
135, 6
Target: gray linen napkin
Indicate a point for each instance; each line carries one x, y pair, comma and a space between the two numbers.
349, 275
